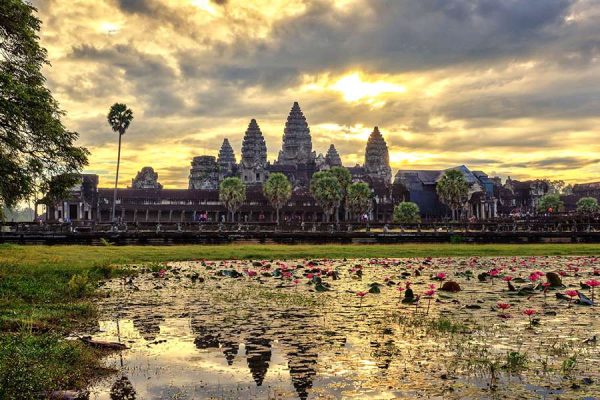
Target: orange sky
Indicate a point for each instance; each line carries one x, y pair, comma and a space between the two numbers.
507, 87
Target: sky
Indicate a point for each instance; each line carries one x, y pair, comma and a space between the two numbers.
505, 86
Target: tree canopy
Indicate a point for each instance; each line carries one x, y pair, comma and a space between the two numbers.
35, 146
453, 190
407, 212
359, 198
587, 205
232, 192
278, 190
550, 203
326, 190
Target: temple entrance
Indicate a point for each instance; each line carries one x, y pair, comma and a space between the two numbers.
73, 212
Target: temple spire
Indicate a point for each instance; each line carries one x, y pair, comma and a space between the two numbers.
254, 155
332, 157
377, 158
297, 142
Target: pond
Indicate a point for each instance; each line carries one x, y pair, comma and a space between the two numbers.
305, 329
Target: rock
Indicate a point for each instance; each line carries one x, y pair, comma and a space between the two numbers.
473, 306
450, 286
554, 279
103, 345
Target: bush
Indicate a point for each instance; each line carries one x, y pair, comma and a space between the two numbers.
79, 285
587, 205
550, 203
407, 212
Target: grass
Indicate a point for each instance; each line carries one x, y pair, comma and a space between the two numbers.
47, 291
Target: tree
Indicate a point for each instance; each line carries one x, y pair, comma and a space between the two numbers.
34, 144
407, 212
278, 190
549, 203
344, 178
119, 118
326, 190
359, 198
232, 192
587, 205
453, 190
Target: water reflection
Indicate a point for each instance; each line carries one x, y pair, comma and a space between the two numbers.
218, 339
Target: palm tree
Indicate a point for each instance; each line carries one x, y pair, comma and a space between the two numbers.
232, 192
453, 190
119, 118
344, 178
278, 190
359, 199
326, 190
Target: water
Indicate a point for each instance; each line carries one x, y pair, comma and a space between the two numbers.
195, 332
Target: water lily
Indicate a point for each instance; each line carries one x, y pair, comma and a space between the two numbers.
503, 307
592, 283
530, 312
360, 295
429, 295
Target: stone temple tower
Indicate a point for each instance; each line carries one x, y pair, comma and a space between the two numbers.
226, 160
377, 158
332, 157
253, 166
204, 173
297, 143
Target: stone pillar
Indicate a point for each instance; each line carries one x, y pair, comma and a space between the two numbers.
170, 215
135, 215
147, 213
482, 210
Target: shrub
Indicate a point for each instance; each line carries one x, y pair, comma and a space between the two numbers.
587, 205
79, 285
407, 212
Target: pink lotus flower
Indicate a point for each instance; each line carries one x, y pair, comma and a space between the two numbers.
429, 293
593, 283
162, 273
251, 273
507, 278
534, 277
530, 312
503, 306
441, 276
361, 294
494, 272
572, 293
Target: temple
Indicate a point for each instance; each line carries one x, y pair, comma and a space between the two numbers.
147, 201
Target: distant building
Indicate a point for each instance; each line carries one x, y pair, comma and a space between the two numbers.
146, 200
420, 188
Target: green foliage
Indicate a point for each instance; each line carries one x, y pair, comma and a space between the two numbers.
326, 190
79, 285
407, 212
278, 190
343, 177
550, 203
119, 117
453, 189
33, 364
359, 198
232, 192
569, 364
515, 361
587, 205
34, 144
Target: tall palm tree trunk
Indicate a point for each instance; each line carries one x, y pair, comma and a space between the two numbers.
114, 204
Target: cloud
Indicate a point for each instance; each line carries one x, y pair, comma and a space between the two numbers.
500, 84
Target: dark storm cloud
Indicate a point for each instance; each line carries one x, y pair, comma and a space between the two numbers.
136, 6
555, 163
